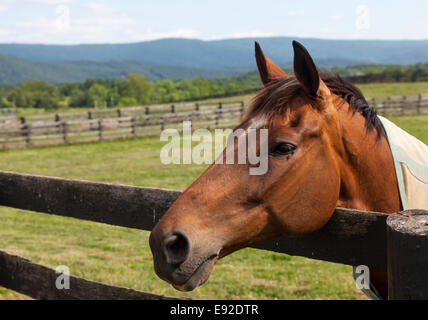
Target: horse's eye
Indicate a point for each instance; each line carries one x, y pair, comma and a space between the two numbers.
283, 149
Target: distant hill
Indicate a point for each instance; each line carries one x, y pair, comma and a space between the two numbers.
187, 58
16, 70
232, 53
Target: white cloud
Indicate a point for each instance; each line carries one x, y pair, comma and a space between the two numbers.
36, 2
99, 7
337, 17
103, 21
50, 2
295, 13
179, 33
325, 30
251, 34
91, 22
38, 23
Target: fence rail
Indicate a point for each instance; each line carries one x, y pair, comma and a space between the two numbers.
37, 281
401, 105
120, 112
130, 124
7, 111
135, 122
351, 237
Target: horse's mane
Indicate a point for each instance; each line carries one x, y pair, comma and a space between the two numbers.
274, 98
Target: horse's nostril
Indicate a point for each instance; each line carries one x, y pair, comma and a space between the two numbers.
175, 247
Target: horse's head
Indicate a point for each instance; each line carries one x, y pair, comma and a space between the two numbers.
228, 208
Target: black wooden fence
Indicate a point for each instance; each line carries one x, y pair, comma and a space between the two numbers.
397, 243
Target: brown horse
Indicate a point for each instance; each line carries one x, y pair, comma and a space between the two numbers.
327, 149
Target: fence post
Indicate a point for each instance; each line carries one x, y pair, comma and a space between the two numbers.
119, 113
23, 120
419, 105
100, 129
407, 245
90, 118
162, 124
147, 110
172, 108
242, 108
403, 105
27, 134
373, 102
197, 107
387, 105
64, 132
220, 105
57, 118
133, 127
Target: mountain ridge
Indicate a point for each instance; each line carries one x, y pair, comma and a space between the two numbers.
177, 58
226, 53
14, 70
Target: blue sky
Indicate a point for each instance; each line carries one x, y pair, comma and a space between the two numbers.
108, 21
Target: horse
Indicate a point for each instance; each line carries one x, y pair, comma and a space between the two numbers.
327, 148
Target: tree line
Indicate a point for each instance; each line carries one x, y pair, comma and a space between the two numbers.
385, 73
135, 89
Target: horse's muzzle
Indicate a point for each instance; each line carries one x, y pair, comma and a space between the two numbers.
179, 262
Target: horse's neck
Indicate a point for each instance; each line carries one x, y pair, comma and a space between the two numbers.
368, 180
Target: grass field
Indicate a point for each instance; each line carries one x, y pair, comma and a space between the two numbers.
122, 256
378, 90
370, 90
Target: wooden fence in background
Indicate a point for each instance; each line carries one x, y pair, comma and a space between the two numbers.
397, 243
134, 122
400, 105
7, 112
121, 112
128, 123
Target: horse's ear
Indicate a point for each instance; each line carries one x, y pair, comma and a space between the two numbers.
268, 70
305, 70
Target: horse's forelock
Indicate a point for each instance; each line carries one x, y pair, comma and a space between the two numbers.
273, 100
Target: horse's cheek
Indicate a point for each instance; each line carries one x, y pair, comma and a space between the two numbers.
319, 194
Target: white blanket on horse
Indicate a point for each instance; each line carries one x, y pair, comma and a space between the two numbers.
411, 166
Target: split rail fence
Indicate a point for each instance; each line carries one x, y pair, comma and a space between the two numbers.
395, 243
135, 122
115, 124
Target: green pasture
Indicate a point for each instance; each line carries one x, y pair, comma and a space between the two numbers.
122, 257
379, 90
